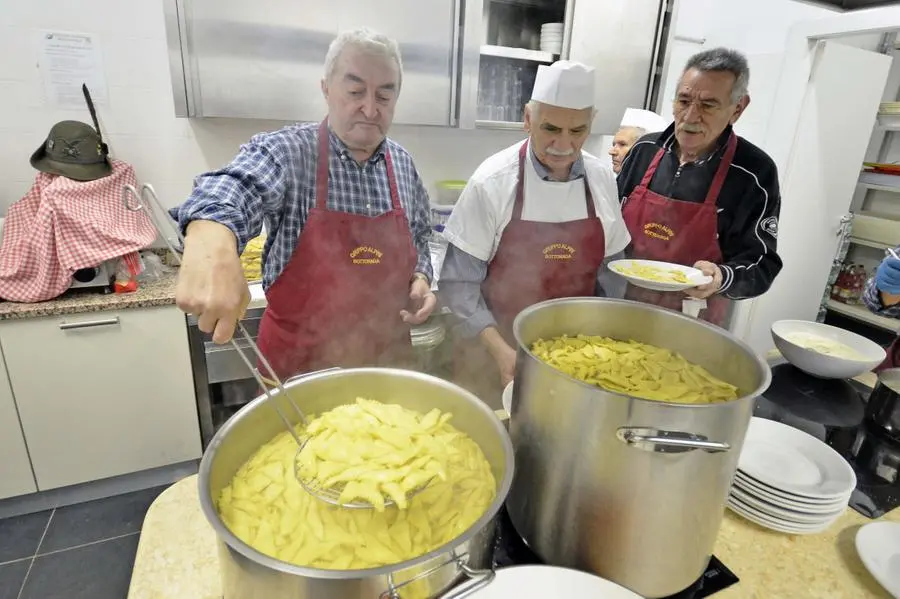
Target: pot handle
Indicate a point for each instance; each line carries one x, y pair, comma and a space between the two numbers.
476, 579
302, 375
651, 439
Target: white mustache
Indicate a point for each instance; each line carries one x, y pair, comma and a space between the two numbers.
692, 128
561, 153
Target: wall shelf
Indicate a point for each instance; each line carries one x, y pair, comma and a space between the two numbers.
507, 125
869, 243
880, 182
862, 314
875, 229
888, 121
517, 54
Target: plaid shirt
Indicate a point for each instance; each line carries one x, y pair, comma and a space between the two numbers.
273, 179
872, 299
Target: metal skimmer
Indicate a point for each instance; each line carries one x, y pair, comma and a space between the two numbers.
147, 201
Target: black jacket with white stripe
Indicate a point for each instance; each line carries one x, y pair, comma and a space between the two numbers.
748, 205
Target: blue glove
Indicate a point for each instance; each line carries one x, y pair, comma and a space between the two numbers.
887, 277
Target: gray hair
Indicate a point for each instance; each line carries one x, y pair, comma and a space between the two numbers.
724, 59
366, 41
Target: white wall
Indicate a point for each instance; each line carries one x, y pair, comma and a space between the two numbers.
758, 28
139, 121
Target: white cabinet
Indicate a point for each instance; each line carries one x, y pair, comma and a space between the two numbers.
104, 393
16, 477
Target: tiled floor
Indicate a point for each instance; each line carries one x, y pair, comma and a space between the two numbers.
83, 551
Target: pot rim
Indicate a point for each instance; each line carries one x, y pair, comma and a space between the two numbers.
765, 370
225, 535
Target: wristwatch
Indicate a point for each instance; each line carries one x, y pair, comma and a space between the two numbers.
418, 275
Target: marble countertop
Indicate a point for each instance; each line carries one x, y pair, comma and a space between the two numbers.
177, 556
150, 293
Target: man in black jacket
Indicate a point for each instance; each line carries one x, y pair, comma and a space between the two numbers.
697, 194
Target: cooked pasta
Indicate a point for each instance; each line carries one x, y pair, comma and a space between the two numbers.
369, 450
251, 258
265, 506
633, 368
823, 345
652, 273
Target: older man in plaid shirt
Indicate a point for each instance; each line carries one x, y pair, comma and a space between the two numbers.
346, 266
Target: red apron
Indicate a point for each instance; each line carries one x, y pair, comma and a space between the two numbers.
338, 300
677, 231
892, 360
535, 261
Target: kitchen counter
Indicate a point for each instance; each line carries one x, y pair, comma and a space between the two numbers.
153, 293
176, 556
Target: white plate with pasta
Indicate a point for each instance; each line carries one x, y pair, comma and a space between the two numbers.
659, 276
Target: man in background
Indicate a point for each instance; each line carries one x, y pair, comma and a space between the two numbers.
635, 124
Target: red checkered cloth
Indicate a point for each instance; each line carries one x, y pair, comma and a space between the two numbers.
61, 226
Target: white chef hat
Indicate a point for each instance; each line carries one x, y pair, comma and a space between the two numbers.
566, 84
647, 120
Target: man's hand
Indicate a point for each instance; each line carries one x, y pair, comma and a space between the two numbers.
503, 354
705, 291
887, 277
421, 302
506, 363
211, 283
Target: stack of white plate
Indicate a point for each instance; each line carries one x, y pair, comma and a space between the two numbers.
790, 481
551, 38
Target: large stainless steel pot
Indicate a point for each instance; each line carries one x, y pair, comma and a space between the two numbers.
630, 489
248, 574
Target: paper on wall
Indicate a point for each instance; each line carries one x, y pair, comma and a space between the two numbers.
67, 60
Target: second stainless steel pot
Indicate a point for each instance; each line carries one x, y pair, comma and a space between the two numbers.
883, 407
629, 489
249, 574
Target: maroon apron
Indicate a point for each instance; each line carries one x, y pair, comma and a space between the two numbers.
677, 231
535, 261
892, 360
338, 300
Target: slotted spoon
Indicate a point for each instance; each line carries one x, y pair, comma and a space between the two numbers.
146, 200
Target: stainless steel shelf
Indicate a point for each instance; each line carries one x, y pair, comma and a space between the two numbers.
500, 125
517, 54
862, 314
880, 182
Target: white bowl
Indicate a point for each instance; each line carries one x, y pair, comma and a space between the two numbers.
507, 398
824, 365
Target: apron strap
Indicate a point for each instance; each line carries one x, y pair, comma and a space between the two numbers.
392, 180
520, 188
520, 183
589, 197
719, 179
322, 171
651, 170
322, 167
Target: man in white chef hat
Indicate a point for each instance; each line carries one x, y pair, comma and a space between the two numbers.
635, 124
536, 221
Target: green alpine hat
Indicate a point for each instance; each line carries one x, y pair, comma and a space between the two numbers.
74, 150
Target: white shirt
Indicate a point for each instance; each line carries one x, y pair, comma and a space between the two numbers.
486, 204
